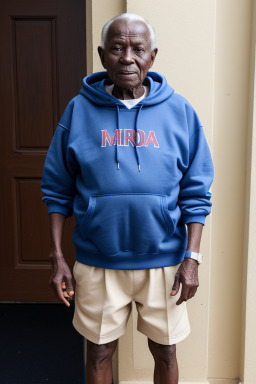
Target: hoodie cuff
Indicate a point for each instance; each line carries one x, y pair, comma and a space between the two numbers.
194, 219
56, 208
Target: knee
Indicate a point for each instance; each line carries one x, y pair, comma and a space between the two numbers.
99, 355
163, 354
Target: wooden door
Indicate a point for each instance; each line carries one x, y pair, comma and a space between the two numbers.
42, 66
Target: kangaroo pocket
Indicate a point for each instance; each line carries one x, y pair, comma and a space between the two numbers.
128, 222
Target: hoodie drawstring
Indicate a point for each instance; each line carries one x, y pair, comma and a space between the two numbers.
136, 135
118, 119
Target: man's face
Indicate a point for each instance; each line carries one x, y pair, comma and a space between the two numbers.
127, 55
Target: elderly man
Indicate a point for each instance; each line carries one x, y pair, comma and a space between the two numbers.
130, 158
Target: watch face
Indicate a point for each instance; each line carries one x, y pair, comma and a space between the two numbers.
197, 256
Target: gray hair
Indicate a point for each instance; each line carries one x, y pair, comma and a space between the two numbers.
128, 17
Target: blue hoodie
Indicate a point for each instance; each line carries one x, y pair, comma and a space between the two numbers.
133, 177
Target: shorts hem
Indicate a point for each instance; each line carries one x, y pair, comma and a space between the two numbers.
97, 339
165, 340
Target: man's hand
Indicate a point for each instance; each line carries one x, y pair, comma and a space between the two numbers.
61, 279
187, 275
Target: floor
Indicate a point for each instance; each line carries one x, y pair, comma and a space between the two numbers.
39, 345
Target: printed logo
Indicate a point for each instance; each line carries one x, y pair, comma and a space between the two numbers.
125, 137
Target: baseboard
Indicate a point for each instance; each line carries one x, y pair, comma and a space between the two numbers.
210, 381
223, 381
181, 382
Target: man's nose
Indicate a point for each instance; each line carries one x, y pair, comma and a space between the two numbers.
127, 57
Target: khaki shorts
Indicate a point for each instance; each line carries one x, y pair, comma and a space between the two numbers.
103, 302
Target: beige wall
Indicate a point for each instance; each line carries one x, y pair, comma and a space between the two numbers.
231, 91
248, 355
204, 51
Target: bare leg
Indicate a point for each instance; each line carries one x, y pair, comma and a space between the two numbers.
166, 366
99, 362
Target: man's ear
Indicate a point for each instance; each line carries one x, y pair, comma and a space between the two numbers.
153, 56
101, 55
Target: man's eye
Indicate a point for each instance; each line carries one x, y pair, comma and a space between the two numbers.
117, 49
139, 49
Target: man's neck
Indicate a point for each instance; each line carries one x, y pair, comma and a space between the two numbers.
128, 94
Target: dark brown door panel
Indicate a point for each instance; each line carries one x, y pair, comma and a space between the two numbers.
42, 66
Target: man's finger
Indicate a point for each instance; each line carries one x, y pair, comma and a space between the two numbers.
176, 286
183, 295
60, 294
69, 286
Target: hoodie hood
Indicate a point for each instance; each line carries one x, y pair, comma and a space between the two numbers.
94, 89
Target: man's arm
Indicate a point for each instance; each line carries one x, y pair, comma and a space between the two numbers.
187, 273
61, 278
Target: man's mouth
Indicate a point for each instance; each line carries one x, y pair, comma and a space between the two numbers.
125, 73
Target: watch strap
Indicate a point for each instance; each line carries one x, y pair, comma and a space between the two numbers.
194, 255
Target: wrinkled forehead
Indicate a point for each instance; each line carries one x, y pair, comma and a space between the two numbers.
124, 29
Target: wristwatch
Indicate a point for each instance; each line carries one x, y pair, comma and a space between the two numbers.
194, 255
